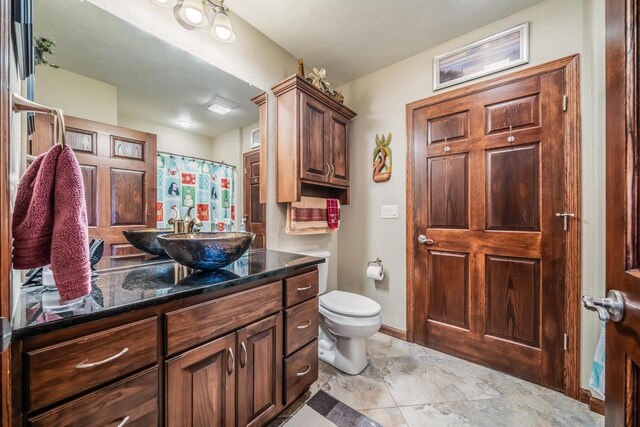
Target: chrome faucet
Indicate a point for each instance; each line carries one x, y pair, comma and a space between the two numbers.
186, 224
177, 221
191, 223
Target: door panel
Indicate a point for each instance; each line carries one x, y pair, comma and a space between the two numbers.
513, 199
488, 180
449, 191
622, 403
513, 299
448, 297
338, 150
201, 386
260, 371
118, 167
254, 211
315, 118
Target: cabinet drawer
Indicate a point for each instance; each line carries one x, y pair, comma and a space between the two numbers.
134, 399
68, 368
301, 370
190, 326
301, 288
301, 323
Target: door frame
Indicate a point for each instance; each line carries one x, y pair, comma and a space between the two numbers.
570, 65
5, 200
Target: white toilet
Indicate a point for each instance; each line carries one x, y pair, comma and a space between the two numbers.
346, 321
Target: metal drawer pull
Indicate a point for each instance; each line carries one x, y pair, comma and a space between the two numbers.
124, 421
304, 289
232, 359
305, 372
84, 365
243, 359
304, 326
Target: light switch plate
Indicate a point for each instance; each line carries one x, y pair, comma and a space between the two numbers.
389, 211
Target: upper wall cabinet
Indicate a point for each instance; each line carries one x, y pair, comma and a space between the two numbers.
312, 143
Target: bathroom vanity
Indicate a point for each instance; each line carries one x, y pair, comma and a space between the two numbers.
158, 344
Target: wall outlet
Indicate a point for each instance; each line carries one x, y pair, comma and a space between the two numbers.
389, 211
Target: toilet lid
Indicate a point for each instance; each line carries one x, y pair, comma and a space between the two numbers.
349, 304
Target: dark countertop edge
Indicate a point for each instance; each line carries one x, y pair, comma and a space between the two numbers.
43, 328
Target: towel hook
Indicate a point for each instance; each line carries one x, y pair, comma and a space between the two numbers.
24, 105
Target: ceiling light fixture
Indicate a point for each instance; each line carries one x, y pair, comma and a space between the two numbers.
192, 14
165, 3
185, 123
220, 105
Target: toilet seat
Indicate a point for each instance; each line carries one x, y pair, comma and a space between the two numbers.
349, 304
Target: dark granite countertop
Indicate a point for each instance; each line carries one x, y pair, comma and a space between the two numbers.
123, 285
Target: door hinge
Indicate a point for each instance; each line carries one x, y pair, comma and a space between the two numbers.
7, 330
566, 342
564, 102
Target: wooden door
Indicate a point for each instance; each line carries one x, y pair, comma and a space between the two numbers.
488, 250
254, 211
314, 117
622, 403
201, 386
260, 371
119, 170
338, 150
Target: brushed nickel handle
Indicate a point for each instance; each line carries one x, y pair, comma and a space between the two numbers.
305, 372
609, 308
232, 359
333, 168
306, 288
424, 240
85, 365
304, 326
243, 359
328, 170
124, 421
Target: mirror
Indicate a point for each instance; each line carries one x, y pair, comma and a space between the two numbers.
152, 126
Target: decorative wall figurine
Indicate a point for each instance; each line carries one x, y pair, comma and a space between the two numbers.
382, 159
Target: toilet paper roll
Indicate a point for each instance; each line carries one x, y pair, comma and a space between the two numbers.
374, 272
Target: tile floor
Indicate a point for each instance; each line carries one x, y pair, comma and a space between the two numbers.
409, 385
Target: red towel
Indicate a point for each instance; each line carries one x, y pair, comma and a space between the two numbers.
333, 213
32, 222
50, 222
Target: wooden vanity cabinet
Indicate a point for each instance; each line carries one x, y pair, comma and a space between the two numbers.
312, 154
232, 360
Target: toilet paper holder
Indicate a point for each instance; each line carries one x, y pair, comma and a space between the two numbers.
377, 262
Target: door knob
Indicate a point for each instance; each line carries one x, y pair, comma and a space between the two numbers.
424, 240
609, 308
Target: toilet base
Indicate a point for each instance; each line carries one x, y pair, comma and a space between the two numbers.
346, 354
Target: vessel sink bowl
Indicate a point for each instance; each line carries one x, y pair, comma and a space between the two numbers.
146, 239
206, 251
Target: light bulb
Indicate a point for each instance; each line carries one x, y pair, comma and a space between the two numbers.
222, 29
165, 3
192, 13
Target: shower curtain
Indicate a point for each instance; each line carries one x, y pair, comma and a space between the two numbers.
209, 187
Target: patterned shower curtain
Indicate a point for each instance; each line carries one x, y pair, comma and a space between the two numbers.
209, 187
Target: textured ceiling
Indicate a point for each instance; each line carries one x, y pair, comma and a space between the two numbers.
352, 38
156, 82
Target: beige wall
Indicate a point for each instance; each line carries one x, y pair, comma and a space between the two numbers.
76, 95
172, 140
558, 28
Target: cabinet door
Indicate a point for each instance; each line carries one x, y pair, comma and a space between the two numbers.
338, 150
260, 371
314, 118
201, 386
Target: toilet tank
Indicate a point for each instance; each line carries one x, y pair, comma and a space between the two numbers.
323, 269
